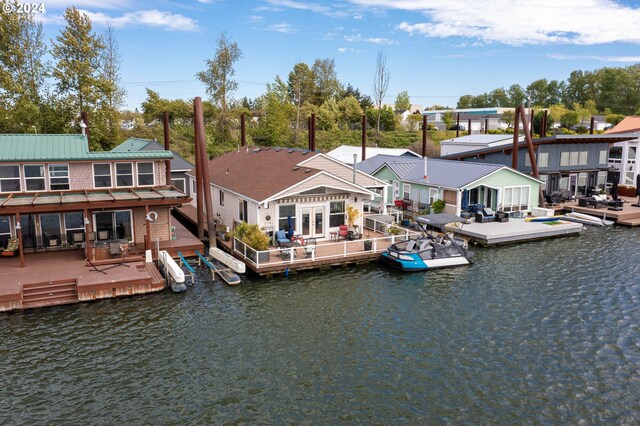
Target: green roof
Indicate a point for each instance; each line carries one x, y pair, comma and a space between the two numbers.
33, 147
132, 144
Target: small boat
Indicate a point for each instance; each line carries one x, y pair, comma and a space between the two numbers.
172, 273
544, 218
586, 219
430, 251
216, 267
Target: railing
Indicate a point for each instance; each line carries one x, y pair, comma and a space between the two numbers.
311, 253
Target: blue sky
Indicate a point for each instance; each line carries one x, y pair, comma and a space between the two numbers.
437, 50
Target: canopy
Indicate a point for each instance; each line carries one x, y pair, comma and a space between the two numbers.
440, 219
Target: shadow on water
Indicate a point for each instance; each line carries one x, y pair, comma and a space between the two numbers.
543, 332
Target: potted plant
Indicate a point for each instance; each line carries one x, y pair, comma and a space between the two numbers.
253, 237
12, 247
352, 215
438, 206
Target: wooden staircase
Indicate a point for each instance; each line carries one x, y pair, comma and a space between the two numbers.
49, 293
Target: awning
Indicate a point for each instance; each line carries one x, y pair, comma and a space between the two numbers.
440, 219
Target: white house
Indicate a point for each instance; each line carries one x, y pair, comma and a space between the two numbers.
345, 153
625, 156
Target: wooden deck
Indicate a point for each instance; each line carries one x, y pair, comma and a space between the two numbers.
62, 277
628, 216
517, 230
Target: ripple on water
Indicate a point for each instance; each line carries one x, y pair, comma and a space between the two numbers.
544, 332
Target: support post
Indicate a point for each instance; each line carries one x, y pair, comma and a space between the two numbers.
147, 222
457, 125
20, 245
167, 147
424, 135
243, 130
592, 125
199, 192
364, 137
532, 154
486, 126
87, 231
516, 136
469, 127
204, 160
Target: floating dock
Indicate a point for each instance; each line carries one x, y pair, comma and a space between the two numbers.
628, 216
517, 230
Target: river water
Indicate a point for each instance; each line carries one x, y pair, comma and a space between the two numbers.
544, 332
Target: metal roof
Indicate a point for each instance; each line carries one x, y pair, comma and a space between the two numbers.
136, 145
443, 173
344, 153
439, 219
41, 147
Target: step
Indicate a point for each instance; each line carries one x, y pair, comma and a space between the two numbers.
57, 292
46, 303
50, 297
47, 285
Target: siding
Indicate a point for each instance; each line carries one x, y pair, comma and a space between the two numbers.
507, 177
387, 175
341, 170
316, 181
230, 212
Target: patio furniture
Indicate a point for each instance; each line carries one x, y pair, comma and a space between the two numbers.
333, 235
343, 232
281, 238
310, 247
54, 242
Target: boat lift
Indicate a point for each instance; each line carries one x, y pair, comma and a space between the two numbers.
227, 274
190, 270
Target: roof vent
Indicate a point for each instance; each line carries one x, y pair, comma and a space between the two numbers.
305, 153
278, 149
307, 170
296, 168
290, 151
227, 171
267, 148
256, 150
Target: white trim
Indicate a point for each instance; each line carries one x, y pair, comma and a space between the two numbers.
184, 180
500, 169
20, 176
49, 177
153, 173
93, 175
346, 166
115, 169
44, 177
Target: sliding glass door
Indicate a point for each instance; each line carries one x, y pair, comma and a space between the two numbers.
114, 225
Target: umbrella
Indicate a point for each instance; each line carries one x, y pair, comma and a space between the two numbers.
614, 188
638, 185
465, 200
289, 223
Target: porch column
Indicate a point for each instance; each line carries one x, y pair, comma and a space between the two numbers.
458, 202
637, 165
19, 234
147, 237
385, 194
87, 231
625, 160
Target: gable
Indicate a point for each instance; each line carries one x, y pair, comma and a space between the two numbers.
342, 170
322, 179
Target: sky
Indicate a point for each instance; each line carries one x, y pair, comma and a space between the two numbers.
437, 50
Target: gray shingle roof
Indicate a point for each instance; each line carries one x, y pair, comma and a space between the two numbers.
136, 145
445, 173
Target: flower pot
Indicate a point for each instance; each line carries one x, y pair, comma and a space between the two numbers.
368, 245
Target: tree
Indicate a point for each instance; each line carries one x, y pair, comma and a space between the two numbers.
465, 102
448, 119
569, 119
350, 110
300, 86
614, 118
112, 91
328, 115
274, 128
499, 98
508, 117
537, 122
380, 85
217, 78
365, 100
327, 85
403, 103
384, 116
516, 95
77, 53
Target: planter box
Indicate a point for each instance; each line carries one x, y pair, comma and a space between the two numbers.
8, 253
368, 245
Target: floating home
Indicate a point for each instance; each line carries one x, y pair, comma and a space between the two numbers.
67, 214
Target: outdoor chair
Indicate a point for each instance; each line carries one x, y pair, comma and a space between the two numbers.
343, 232
77, 238
54, 242
281, 238
114, 249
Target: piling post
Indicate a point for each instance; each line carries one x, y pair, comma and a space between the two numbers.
424, 135
592, 125
516, 135
199, 191
457, 125
243, 130
364, 137
206, 180
167, 147
486, 126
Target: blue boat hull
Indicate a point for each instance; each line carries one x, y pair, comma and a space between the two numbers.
415, 265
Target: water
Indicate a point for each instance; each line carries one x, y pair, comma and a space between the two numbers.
543, 332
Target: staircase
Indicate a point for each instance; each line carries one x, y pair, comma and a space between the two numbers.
51, 293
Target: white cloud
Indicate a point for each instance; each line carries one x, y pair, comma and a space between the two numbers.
312, 7
627, 59
582, 22
94, 4
282, 28
149, 18
256, 18
348, 50
375, 40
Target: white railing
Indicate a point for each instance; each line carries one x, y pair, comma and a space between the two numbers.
329, 250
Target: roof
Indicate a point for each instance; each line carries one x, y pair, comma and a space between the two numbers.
135, 145
549, 139
443, 173
259, 173
627, 125
439, 219
345, 153
482, 139
41, 147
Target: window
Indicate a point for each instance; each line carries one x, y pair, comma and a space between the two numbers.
516, 198
221, 195
179, 184
583, 158
74, 227
284, 212
582, 183
601, 180
124, 174
145, 174
564, 158
602, 159
434, 194
102, 175
58, 177
34, 177
194, 187
573, 158
406, 191
336, 213
9, 179
242, 210
527, 160
543, 159
396, 189
5, 231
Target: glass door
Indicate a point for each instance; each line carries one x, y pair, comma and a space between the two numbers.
28, 225
312, 222
111, 226
573, 184
50, 229
5, 231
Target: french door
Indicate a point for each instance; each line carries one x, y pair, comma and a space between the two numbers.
312, 222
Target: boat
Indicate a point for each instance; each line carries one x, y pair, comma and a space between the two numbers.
586, 219
227, 274
544, 218
436, 247
172, 273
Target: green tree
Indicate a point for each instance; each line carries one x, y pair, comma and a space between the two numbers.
403, 103
327, 85
350, 110
569, 119
301, 87
448, 119
113, 92
328, 115
499, 98
614, 118
507, 117
465, 102
77, 52
218, 79
275, 127
384, 116
516, 95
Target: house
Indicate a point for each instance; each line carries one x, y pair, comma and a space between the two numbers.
474, 142
493, 185
624, 156
345, 153
274, 186
179, 166
492, 117
60, 194
567, 163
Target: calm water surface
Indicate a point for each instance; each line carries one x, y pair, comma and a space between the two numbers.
544, 332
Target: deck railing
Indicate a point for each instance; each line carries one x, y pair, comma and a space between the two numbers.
311, 253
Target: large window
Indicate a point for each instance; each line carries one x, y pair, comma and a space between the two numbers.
543, 159
102, 175
434, 194
9, 179
145, 174
221, 196
602, 159
406, 194
242, 210
59, 177
34, 177
74, 227
179, 184
336, 213
564, 158
583, 158
516, 198
284, 212
124, 174
582, 183
5, 231
602, 180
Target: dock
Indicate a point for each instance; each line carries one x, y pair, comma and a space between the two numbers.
517, 230
628, 216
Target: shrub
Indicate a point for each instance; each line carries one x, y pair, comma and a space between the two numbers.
438, 206
252, 236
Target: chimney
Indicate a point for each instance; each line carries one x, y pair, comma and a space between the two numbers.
425, 167
84, 118
355, 161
